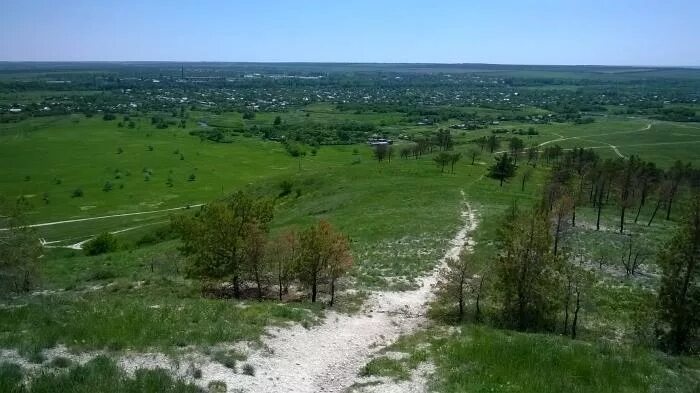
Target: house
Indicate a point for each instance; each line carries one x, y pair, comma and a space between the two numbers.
379, 141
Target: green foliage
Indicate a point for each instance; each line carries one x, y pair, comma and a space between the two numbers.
385, 367
325, 255
125, 316
679, 295
215, 238
285, 188
503, 169
456, 282
527, 278
19, 250
101, 244
442, 159
98, 375
484, 360
248, 369
61, 362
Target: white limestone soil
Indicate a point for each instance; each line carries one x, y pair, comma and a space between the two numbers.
328, 357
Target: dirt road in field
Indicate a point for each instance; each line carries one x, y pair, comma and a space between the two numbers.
645, 128
46, 224
328, 357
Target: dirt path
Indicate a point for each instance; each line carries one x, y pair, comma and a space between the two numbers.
645, 128
328, 357
79, 245
46, 224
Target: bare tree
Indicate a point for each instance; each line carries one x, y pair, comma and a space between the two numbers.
632, 258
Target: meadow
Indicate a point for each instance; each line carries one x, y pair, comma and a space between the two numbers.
399, 215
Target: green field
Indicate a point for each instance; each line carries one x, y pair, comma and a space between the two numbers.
399, 216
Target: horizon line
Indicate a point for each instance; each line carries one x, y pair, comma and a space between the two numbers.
350, 63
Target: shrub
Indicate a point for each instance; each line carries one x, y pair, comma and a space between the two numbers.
102, 274
101, 244
286, 188
248, 369
61, 362
217, 387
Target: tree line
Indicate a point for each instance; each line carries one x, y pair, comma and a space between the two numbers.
535, 284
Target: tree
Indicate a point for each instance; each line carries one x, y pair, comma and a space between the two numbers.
444, 139
679, 293
482, 142
20, 249
562, 209
101, 244
474, 154
527, 174
503, 169
457, 281
578, 281
215, 239
675, 175
625, 184
254, 252
283, 253
493, 143
533, 154
647, 180
632, 257
442, 159
382, 152
339, 263
516, 146
527, 273
454, 158
324, 251
277, 121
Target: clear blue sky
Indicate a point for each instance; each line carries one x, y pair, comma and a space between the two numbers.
615, 32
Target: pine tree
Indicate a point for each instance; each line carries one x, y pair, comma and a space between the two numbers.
679, 294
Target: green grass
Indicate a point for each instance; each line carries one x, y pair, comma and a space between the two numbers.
132, 299
399, 216
135, 319
484, 360
98, 375
385, 367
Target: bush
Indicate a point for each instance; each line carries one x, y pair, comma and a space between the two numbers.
248, 369
77, 193
286, 187
102, 274
159, 235
61, 362
101, 244
217, 387
98, 375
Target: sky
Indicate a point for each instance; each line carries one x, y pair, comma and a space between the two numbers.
610, 32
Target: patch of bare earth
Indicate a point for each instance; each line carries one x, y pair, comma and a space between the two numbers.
324, 358
328, 357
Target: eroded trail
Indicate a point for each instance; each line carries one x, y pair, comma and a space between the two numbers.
324, 358
327, 357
